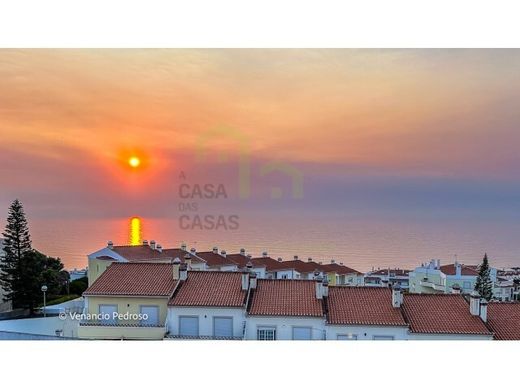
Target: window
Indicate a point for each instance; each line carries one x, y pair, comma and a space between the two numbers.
223, 326
383, 338
301, 333
284, 276
266, 333
347, 336
107, 312
466, 286
189, 326
152, 315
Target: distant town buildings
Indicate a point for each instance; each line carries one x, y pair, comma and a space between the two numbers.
180, 294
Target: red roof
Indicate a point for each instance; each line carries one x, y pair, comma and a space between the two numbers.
468, 270
214, 259
340, 269
362, 306
210, 288
441, 314
504, 320
142, 279
241, 260
146, 253
284, 297
267, 261
298, 265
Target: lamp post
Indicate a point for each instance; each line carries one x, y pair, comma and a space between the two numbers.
44, 290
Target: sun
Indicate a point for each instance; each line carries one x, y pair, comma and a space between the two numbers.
134, 162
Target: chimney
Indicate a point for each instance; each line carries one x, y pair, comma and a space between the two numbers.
145, 242
193, 251
187, 260
397, 296
325, 287
295, 257
483, 310
159, 248
264, 254
474, 303
176, 266
458, 268
215, 250
245, 279
249, 266
110, 245
279, 259
183, 246
242, 251
152, 244
384, 283
333, 261
319, 288
252, 281
183, 272
309, 259
223, 253
249, 256
316, 274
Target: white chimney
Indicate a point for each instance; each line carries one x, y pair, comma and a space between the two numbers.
159, 248
325, 287
252, 281
183, 272
245, 280
474, 303
152, 244
384, 283
249, 256
223, 253
176, 266
333, 261
193, 251
319, 288
110, 245
279, 259
187, 260
145, 242
458, 268
455, 289
215, 250
242, 251
397, 296
295, 257
483, 309
264, 254
183, 246
309, 260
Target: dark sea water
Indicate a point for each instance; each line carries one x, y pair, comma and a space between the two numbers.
359, 242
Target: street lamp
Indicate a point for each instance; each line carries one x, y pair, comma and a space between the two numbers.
44, 290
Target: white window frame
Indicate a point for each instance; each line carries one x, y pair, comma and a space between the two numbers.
266, 329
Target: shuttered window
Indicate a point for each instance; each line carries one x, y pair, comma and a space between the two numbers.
302, 333
223, 326
189, 326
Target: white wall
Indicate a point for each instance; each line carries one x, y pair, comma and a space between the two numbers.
284, 326
367, 332
205, 315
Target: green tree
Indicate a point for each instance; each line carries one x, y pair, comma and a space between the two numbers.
484, 285
17, 242
24, 270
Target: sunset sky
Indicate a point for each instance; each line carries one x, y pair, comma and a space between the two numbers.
392, 130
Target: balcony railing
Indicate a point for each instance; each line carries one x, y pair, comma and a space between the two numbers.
432, 285
123, 324
179, 337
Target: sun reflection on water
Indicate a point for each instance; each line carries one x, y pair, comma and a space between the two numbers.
135, 232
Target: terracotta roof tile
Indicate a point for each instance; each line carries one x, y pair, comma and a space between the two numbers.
142, 279
504, 320
285, 297
441, 314
210, 288
214, 259
362, 306
242, 260
146, 253
468, 270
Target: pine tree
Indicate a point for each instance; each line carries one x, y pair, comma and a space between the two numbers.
17, 243
484, 285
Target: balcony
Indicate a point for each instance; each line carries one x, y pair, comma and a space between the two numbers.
179, 337
437, 287
121, 330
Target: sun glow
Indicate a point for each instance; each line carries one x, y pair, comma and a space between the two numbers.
135, 231
134, 162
